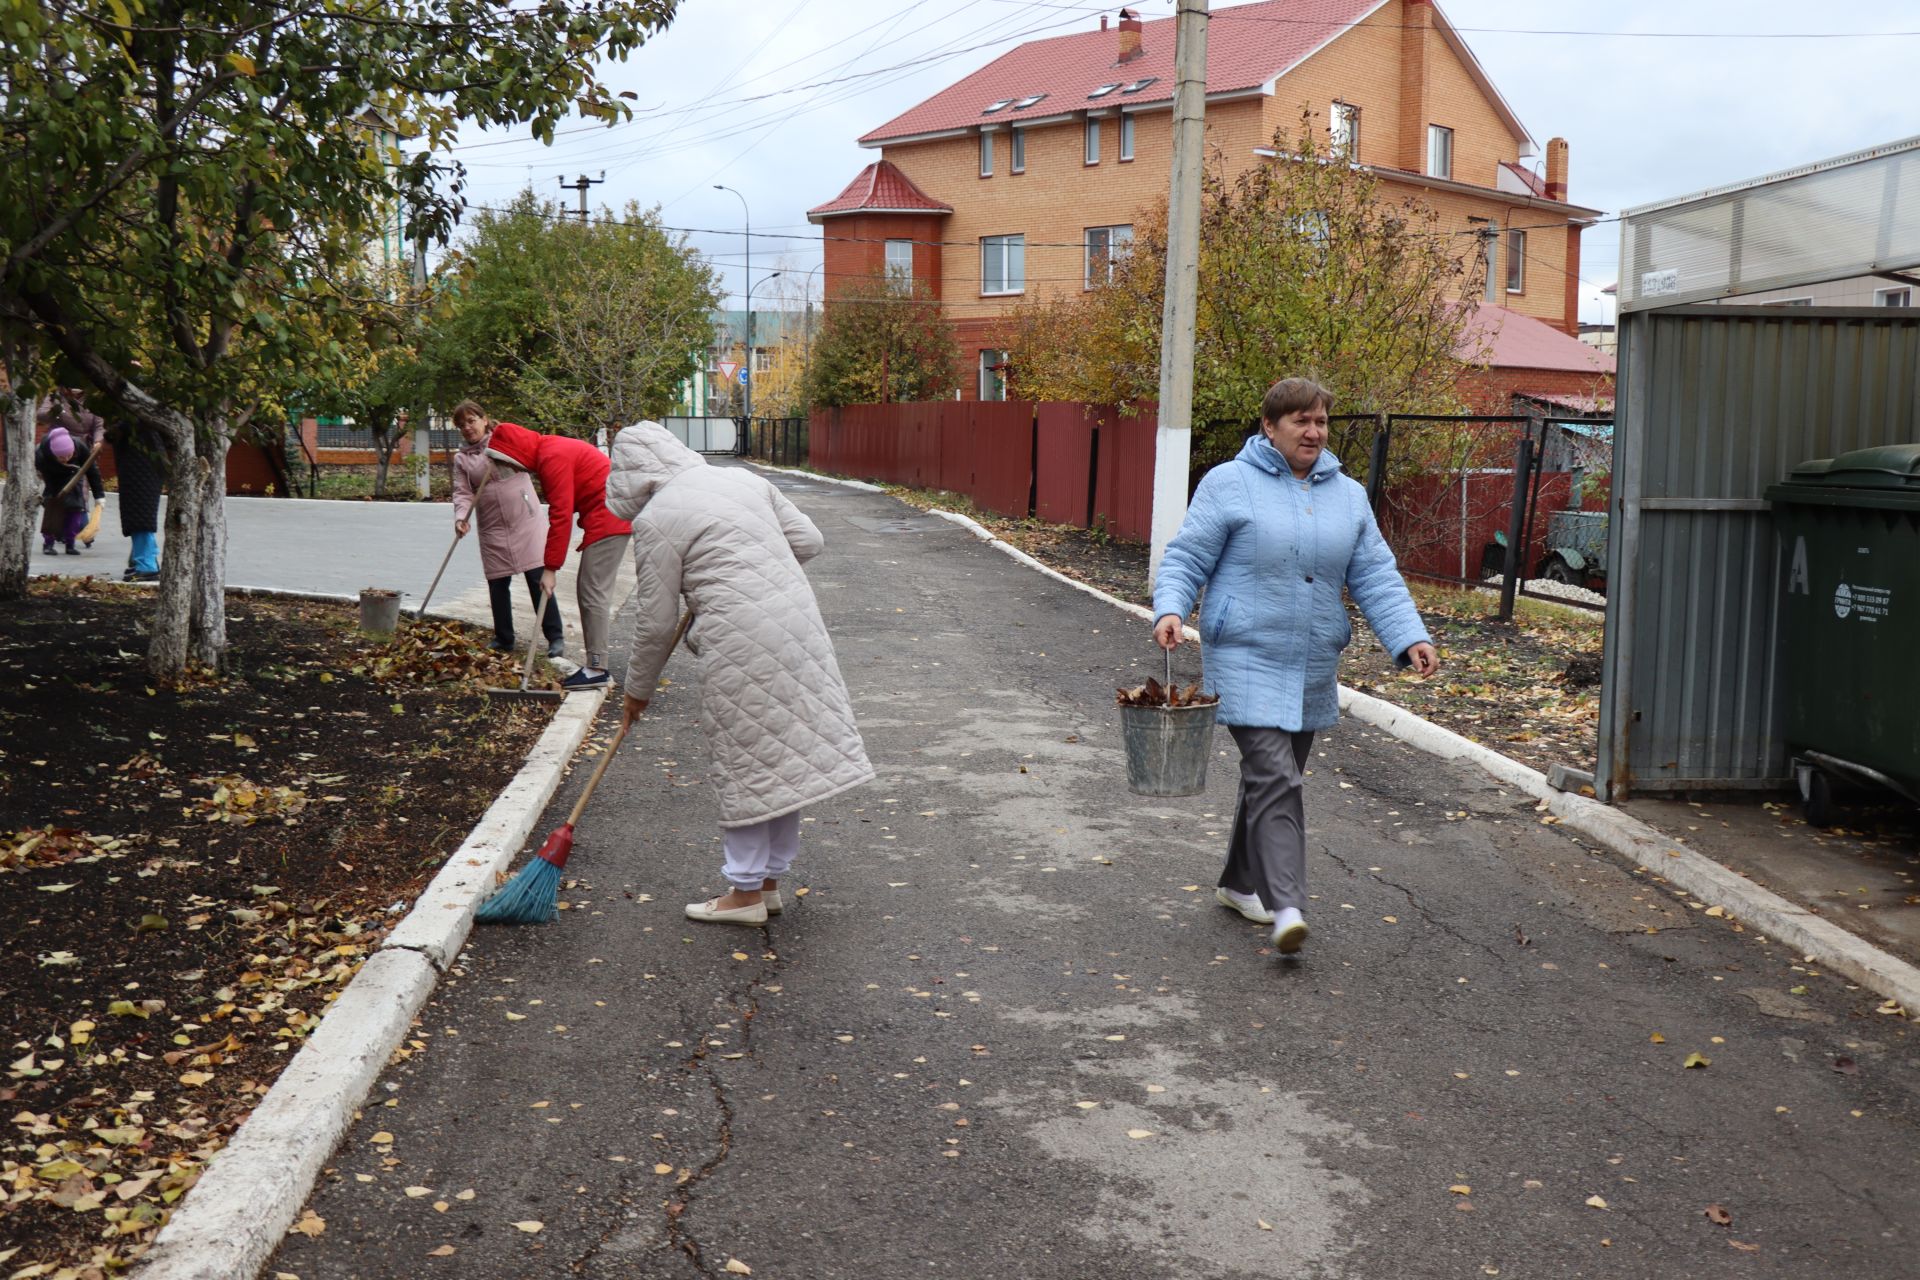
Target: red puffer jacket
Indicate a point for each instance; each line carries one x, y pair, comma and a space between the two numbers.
573, 478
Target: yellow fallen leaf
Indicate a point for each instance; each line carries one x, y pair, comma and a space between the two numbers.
1391, 919
1156, 1088
194, 1079
311, 1224
1263, 1224
381, 1138
739, 955
1461, 1189
516, 1017
801, 893
414, 1193
1189, 888
1657, 1038
1116, 1039
464, 1195
1086, 1106
1139, 1133
1595, 1202
540, 1106
735, 1267
663, 1169
1697, 1060
444, 1251
529, 1226
441, 1206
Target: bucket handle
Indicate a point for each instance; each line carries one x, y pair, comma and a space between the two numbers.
1203, 667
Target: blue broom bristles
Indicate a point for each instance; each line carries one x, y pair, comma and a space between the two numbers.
528, 898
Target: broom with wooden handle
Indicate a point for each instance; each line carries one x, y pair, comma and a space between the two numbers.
529, 898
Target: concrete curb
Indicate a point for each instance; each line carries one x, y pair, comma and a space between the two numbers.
1818, 939
861, 485
236, 1215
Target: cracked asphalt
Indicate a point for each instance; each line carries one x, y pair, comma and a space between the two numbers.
1006, 1031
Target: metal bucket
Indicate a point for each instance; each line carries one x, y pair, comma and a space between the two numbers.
1168, 748
379, 611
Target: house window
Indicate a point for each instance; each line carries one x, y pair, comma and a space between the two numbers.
1138, 85
900, 259
1516, 262
986, 155
1028, 101
1093, 140
1313, 225
993, 375
762, 359
1893, 297
1003, 264
1105, 247
1439, 151
1017, 150
1126, 137
1344, 125
1104, 90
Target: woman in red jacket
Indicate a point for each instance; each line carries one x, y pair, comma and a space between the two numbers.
573, 480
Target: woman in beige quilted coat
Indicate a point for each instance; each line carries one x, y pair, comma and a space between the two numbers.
773, 706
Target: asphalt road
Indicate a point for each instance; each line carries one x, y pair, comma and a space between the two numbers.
338, 548
1006, 1032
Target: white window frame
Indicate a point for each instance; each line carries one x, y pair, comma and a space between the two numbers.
1899, 295
1343, 129
762, 359
1439, 151
1113, 243
986, 153
1016, 150
1126, 136
993, 385
899, 270
1516, 263
1091, 146
1010, 280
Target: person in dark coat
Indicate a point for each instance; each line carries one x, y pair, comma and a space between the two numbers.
140, 462
67, 410
63, 499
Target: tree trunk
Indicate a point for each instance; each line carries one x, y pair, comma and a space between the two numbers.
167, 647
20, 503
209, 628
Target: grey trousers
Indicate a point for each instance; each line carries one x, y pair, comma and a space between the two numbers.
1268, 853
599, 571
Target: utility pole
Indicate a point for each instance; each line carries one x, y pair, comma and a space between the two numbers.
1173, 440
746, 274
581, 184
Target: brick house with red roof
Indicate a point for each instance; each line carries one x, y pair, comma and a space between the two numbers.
1022, 179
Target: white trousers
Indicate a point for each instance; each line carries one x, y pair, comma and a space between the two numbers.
760, 852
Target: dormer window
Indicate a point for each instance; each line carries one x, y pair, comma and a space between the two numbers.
1028, 101
1138, 85
1001, 105
1104, 90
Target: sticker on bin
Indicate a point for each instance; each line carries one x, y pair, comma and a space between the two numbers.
1870, 604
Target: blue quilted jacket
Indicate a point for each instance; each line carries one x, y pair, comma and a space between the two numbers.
1273, 552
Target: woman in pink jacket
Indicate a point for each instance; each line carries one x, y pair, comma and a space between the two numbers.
513, 529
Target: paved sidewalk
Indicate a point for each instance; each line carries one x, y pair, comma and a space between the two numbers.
1007, 1033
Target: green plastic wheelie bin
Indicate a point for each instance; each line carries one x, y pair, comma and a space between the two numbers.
1850, 621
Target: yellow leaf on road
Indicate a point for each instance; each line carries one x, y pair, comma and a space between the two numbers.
414, 1193
1263, 1224
1657, 1038
1086, 1106
1595, 1202
1697, 1060
735, 1267
444, 1251
1461, 1189
311, 1224
516, 1017
381, 1137
529, 1226
663, 1169
1139, 1133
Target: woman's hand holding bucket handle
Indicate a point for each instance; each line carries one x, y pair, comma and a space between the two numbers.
1168, 632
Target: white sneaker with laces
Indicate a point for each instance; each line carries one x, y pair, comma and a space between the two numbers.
1247, 904
1289, 931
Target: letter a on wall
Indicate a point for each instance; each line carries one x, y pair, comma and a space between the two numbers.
1797, 575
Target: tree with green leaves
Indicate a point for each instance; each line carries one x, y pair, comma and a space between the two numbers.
1306, 268
882, 342
187, 181
570, 327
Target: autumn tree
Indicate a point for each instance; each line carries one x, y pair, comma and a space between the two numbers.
184, 179
882, 341
377, 383
1306, 268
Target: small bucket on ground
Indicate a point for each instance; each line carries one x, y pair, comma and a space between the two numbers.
379, 611
1168, 746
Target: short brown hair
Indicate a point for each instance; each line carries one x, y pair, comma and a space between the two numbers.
471, 409
1291, 395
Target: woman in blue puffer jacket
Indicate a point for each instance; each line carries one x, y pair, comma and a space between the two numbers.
1273, 537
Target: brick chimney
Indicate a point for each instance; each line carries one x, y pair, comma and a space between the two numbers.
1131, 45
1556, 168
1414, 117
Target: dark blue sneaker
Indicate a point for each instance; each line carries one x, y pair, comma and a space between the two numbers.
582, 679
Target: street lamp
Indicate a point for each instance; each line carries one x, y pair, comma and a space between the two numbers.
746, 221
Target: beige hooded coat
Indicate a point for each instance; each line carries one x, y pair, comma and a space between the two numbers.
774, 708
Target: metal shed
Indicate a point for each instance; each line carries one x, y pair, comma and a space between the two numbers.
1716, 402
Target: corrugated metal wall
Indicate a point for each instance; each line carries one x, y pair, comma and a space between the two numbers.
1715, 404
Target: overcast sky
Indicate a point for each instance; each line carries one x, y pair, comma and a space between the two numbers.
769, 97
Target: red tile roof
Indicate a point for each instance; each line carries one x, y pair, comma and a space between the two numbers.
1506, 339
1247, 45
879, 188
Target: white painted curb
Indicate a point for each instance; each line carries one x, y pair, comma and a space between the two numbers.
232, 1220
1818, 939
861, 485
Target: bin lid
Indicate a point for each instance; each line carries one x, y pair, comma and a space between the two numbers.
1887, 466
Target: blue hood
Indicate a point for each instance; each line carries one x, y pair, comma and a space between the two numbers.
1258, 452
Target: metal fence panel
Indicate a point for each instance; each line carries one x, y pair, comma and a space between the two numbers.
705, 435
1715, 404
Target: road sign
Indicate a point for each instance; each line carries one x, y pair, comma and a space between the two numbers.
726, 368
743, 377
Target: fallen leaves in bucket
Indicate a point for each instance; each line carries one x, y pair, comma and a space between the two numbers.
1154, 694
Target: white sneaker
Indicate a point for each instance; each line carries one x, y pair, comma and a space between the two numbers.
1247, 904
1289, 931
